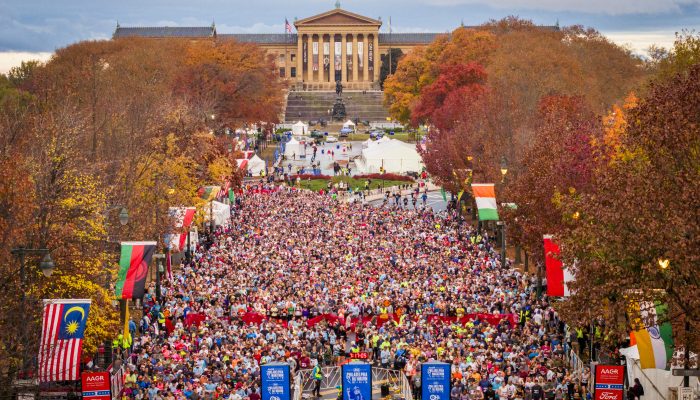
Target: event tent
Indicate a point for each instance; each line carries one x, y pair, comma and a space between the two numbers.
394, 155
293, 149
222, 213
255, 165
300, 128
349, 124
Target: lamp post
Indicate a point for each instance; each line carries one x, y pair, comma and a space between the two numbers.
502, 226
160, 258
504, 168
46, 266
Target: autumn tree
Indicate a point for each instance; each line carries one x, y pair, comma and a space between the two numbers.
643, 210
559, 165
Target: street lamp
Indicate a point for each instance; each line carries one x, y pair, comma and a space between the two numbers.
504, 168
664, 263
46, 266
123, 216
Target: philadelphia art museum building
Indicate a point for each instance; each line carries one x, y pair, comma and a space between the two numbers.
337, 45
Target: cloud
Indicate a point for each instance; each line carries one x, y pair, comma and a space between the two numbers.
639, 41
9, 59
610, 7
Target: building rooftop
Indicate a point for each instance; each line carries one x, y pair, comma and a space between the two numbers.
261, 38
165, 31
408, 38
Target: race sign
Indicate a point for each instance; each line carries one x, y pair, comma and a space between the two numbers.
609, 382
275, 381
96, 386
435, 381
357, 381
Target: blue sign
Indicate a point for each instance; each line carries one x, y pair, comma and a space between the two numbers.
435, 381
275, 381
357, 381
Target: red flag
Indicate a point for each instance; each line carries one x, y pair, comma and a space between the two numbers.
557, 275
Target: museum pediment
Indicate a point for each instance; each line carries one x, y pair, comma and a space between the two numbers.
337, 17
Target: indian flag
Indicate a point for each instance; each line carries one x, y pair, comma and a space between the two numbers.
485, 196
654, 340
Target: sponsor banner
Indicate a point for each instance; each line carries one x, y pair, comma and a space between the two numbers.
357, 381
360, 54
337, 55
314, 51
96, 386
435, 381
275, 381
609, 382
370, 56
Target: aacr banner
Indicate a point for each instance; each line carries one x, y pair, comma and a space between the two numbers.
96, 386
275, 381
435, 381
357, 381
609, 382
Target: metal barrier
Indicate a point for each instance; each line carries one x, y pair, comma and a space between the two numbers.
332, 378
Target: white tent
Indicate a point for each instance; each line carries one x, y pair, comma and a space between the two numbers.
367, 143
349, 124
255, 165
394, 155
222, 213
293, 149
300, 128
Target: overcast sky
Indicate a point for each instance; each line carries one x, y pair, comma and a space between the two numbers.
35, 28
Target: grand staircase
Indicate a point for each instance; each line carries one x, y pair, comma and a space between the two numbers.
316, 105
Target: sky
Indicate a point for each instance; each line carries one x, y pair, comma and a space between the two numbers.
33, 29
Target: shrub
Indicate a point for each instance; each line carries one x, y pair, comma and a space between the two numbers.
386, 177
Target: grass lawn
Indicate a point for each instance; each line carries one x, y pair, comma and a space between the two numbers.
318, 184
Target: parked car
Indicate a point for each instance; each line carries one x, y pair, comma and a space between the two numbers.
316, 134
345, 132
331, 139
376, 134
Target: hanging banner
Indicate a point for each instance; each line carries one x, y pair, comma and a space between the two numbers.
370, 56
96, 386
314, 51
337, 55
360, 54
326, 55
305, 54
275, 381
348, 51
357, 381
609, 382
435, 381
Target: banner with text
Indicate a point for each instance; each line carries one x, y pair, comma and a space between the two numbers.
305, 54
357, 381
326, 55
360, 54
370, 56
348, 62
435, 381
96, 386
609, 382
314, 51
275, 381
337, 55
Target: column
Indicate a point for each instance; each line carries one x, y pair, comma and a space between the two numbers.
343, 59
365, 59
354, 57
331, 70
300, 59
321, 70
309, 55
377, 57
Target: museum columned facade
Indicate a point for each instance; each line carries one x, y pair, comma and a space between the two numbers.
337, 45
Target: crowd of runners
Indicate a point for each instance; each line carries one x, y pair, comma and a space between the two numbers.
305, 279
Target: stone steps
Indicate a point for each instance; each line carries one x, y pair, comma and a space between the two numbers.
307, 106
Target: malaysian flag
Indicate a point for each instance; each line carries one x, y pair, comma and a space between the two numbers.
63, 328
287, 27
